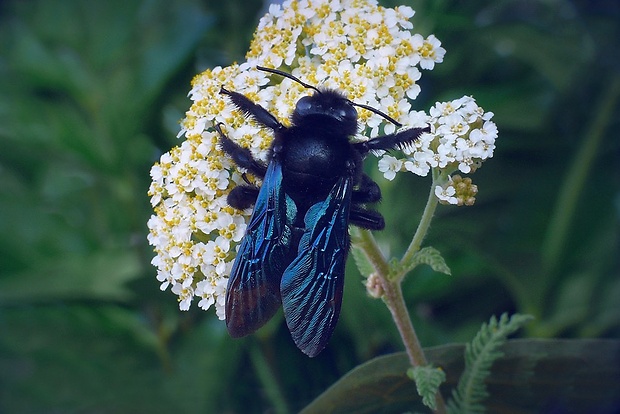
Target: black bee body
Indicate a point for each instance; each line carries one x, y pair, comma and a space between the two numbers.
296, 244
314, 155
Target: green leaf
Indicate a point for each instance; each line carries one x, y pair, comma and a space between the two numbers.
429, 256
572, 303
108, 359
361, 261
427, 381
381, 385
607, 310
480, 355
533, 375
100, 275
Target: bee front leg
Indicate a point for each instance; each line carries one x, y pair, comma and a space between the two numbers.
242, 197
400, 140
249, 108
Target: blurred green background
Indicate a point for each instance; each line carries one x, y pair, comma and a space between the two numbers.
90, 96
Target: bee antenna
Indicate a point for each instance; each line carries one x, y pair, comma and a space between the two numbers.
288, 75
306, 85
378, 112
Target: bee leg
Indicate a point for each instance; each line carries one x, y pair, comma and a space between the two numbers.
368, 191
366, 219
242, 196
241, 156
249, 108
400, 140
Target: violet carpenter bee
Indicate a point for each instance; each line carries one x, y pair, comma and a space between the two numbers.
297, 241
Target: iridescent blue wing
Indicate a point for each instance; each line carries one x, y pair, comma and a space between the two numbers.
253, 292
312, 284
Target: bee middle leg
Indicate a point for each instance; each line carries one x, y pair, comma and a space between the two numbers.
241, 156
366, 219
242, 196
368, 191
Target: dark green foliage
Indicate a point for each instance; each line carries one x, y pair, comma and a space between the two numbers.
532, 376
90, 96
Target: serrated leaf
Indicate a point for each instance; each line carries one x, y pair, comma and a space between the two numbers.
428, 256
427, 381
361, 261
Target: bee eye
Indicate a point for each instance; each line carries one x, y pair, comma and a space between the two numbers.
304, 105
348, 112
341, 113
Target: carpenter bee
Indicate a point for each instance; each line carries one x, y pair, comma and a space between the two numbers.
296, 244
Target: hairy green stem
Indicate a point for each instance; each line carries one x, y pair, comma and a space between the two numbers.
393, 296
368, 244
392, 290
425, 223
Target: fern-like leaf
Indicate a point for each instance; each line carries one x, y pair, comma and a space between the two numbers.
427, 381
361, 261
364, 265
479, 357
428, 256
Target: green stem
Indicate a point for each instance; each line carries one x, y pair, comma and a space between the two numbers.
396, 302
393, 297
572, 187
268, 379
369, 245
425, 222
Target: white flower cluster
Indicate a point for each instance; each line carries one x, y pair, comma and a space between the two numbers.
462, 136
364, 50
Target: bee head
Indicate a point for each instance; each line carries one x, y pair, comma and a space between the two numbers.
326, 106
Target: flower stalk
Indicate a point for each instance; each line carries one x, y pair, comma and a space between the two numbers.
398, 308
391, 284
425, 222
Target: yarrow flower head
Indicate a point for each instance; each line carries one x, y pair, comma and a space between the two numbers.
364, 50
458, 191
462, 136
